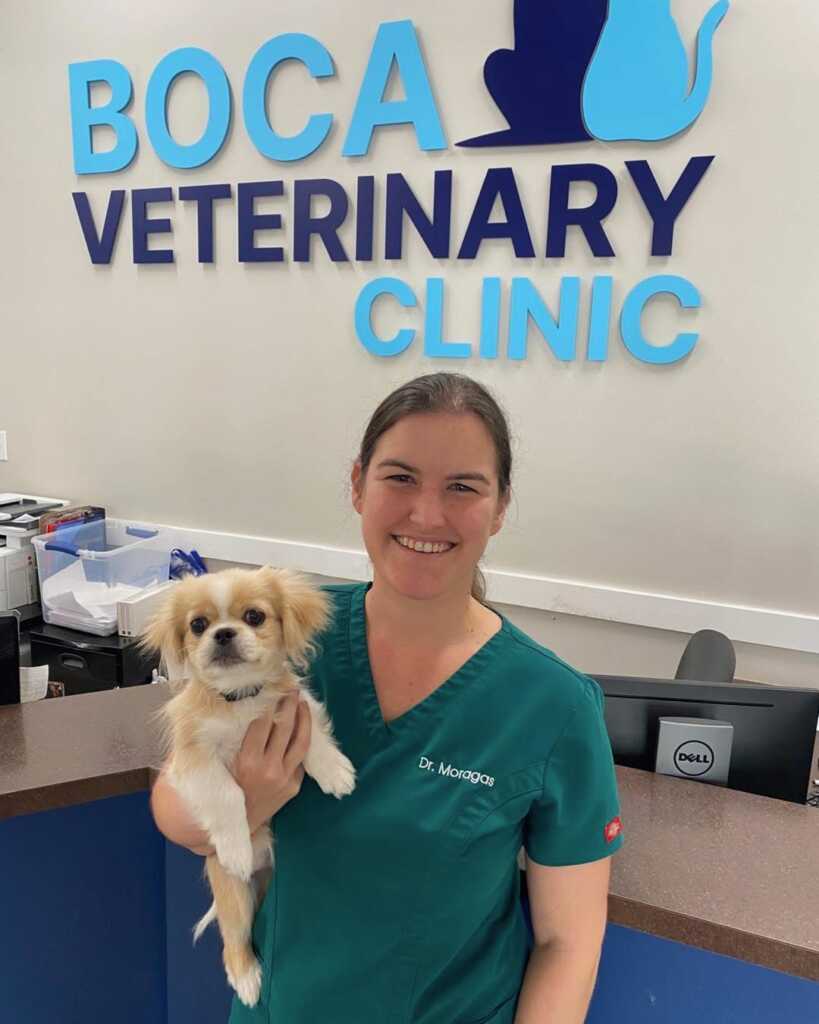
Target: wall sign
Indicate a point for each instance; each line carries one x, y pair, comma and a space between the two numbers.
579, 71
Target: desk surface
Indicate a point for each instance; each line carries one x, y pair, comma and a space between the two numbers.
71, 750
714, 868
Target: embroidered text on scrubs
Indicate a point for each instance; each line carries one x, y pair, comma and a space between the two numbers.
456, 773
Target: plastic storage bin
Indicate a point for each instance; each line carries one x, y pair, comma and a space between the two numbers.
85, 569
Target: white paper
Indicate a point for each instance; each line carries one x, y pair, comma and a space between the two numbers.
69, 591
33, 683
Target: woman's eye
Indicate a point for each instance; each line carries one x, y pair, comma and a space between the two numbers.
198, 626
253, 617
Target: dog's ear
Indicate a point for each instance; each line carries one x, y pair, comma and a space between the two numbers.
305, 611
164, 634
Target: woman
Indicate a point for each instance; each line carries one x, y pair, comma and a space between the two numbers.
401, 902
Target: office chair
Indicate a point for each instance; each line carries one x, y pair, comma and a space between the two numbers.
708, 657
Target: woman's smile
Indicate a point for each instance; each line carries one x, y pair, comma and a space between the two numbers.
419, 547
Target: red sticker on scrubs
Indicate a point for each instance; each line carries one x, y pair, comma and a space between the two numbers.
613, 830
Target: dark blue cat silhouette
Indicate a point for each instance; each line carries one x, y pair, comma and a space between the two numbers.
538, 85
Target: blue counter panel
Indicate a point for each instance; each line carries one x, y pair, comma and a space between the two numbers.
96, 912
198, 992
645, 980
82, 923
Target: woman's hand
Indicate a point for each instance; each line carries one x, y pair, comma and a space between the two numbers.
268, 768
269, 765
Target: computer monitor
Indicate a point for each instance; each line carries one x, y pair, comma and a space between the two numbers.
774, 727
9, 659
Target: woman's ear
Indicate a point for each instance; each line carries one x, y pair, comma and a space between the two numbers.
305, 611
164, 635
500, 515
356, 482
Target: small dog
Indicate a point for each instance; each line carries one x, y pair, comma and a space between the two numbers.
229, 642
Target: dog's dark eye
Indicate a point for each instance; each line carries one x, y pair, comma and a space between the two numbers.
198, 626
253, 617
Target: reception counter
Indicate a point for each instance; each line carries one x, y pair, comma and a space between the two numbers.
712, 870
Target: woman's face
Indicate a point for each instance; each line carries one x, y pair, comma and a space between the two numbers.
431, 480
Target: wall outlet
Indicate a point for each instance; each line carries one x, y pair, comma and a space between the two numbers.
4, 452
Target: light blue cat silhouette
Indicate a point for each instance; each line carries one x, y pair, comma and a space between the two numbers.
636, 83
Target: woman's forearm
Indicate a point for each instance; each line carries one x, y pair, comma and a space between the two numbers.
174, 820
558, 986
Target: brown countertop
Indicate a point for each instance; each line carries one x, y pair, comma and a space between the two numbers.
713, 868
718, 869
71, 750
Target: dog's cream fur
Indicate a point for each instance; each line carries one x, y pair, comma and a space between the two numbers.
205, 731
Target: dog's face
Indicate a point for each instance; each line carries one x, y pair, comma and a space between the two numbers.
237, 628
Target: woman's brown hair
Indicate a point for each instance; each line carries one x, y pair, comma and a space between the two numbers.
449, 393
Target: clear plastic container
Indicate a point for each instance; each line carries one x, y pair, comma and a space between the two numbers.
85, 569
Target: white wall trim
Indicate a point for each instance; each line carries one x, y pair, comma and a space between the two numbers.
766, 626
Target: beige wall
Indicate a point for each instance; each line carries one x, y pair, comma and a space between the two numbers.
231, 397
612, 648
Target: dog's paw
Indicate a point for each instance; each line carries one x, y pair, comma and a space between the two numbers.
245, 980
339, 780
235, 854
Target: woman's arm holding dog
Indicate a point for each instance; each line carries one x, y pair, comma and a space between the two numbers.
268, 768
174, 820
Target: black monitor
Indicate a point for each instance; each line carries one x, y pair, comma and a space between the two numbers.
9, 659
774, 727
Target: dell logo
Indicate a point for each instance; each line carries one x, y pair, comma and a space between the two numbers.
693, 758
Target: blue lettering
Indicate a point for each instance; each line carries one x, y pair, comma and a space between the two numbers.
192, 60
395, 41
401, 199
560, 334
250, 222
363, 316
434, 344
664, 212
203, 196
142, 226
599, 320
589, 218
490, 317
365, 203
499, 182
291, 46
84, 117
100, 247
305, 225
631, 329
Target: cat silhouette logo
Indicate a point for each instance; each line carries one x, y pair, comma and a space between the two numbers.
613, 70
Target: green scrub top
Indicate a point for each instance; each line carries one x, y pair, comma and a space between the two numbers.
400, 904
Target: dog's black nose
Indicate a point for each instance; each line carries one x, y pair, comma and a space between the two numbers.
224, 636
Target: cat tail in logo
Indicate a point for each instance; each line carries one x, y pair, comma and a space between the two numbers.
636, 85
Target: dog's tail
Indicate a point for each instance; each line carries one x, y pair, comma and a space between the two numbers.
205, 921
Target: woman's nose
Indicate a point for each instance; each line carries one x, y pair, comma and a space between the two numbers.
427, 509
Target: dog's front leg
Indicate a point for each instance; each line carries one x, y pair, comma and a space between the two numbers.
218, 804
333, 771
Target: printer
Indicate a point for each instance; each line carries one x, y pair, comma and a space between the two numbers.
19, 522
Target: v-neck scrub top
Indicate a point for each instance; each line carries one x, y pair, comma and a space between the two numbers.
400, 904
